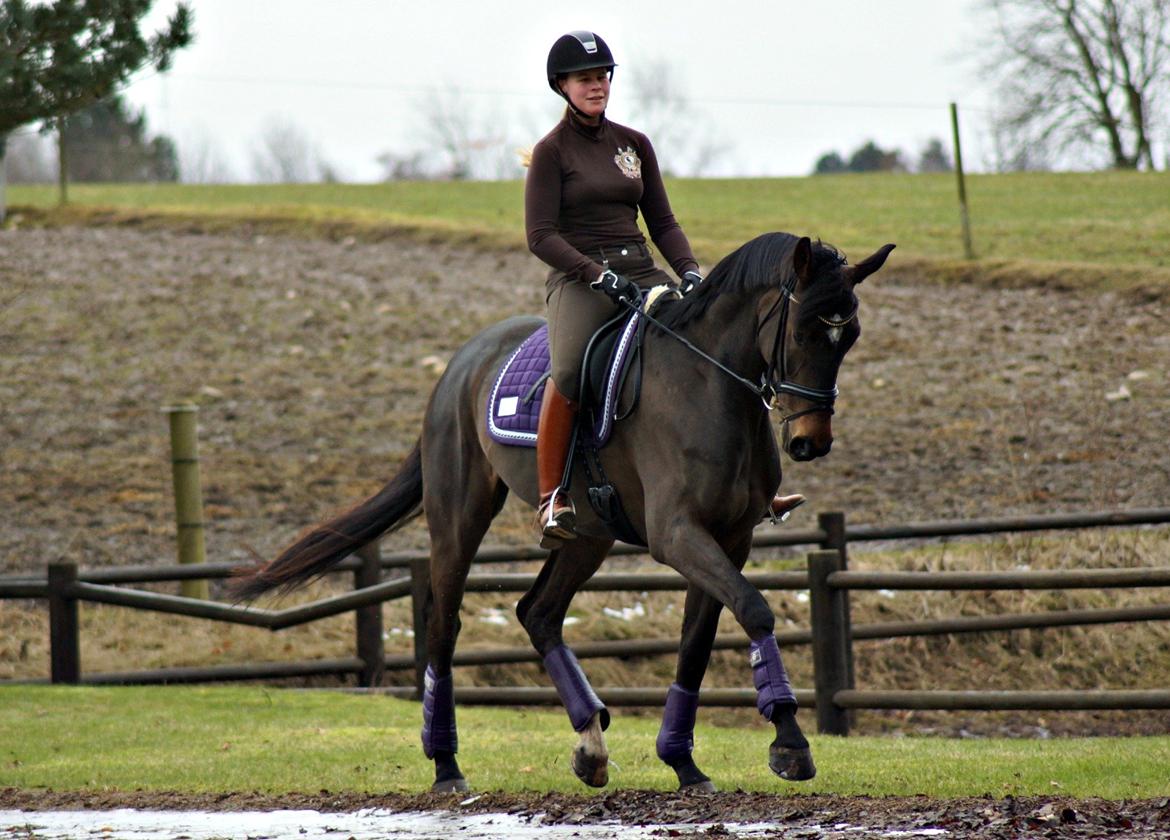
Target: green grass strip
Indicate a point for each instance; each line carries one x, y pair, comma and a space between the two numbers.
272, 740
1042, 224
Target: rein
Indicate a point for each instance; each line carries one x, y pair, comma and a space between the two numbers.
774, 381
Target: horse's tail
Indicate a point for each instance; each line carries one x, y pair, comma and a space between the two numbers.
327, 544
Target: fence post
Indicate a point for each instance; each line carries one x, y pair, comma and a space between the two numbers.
420, 596
371, 647
964, 218
188, 493
833, 524
829, 641
64, 633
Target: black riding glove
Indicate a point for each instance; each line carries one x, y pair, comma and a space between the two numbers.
690, 280
618, 288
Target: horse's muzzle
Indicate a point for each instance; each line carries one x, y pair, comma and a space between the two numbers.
808, 437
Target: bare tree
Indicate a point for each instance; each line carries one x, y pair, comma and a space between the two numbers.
1083, 74
284, 154
459, 143
201, 162
661, 109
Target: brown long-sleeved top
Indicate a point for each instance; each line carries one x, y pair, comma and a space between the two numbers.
585, 187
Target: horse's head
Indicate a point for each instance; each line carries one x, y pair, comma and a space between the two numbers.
814, 322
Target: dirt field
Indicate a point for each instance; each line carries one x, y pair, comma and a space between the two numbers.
311, 361
790, 816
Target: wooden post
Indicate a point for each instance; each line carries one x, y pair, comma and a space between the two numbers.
371, 648
64, 632
420, 596
188, 494
833, 524
968, 248
829, 642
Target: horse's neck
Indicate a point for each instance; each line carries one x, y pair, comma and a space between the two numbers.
727, 331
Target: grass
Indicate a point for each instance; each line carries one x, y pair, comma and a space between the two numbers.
246, 738
1110, 227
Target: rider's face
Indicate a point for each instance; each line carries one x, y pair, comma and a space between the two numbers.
588, 90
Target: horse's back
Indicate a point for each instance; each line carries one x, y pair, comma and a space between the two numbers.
457, 413
484, 353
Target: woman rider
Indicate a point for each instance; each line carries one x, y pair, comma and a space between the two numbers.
587, 181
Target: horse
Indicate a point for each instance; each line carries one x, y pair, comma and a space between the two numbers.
697, 465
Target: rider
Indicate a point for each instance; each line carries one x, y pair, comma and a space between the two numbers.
587, 181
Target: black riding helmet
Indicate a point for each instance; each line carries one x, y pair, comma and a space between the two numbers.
578, 50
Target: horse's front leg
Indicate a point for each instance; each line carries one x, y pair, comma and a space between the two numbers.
676, 737
698, 557
542, 613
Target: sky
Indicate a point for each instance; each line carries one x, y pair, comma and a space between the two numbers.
771, 85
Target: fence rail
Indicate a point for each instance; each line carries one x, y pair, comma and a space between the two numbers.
828, 580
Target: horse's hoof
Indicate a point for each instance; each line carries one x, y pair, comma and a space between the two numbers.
590, 769
451, 786
793, 765
706, 786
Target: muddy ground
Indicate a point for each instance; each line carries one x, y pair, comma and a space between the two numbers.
791, 816
311, 361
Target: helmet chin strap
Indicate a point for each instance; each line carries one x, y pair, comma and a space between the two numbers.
573, 108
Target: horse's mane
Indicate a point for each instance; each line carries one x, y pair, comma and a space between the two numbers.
764, 263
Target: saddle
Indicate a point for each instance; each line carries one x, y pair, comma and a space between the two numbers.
611, 358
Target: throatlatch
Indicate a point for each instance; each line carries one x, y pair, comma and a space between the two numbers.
676, 738
770, 678
438, 731
573, 687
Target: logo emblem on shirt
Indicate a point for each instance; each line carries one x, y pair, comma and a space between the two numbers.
628, 162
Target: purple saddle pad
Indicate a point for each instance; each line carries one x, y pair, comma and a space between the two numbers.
514, 404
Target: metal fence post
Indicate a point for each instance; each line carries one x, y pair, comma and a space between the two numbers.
64, 632
420, 596
829, 641
371, 647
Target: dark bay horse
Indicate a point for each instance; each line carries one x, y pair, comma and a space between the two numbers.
696, 467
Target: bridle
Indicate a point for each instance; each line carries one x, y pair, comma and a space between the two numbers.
774, 381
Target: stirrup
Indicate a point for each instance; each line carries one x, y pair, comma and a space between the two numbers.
781, 507
555, 524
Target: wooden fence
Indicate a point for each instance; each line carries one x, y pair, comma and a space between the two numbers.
827, 579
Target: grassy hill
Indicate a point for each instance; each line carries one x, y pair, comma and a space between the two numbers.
1105, 227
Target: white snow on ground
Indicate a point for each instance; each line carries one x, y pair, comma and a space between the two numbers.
361, 825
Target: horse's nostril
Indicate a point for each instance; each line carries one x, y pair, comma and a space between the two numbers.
800, 448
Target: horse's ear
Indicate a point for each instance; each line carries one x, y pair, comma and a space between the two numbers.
802, 258
871, 263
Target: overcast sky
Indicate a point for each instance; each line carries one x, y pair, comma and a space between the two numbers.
773, 84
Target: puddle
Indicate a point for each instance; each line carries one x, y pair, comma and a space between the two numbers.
372, 824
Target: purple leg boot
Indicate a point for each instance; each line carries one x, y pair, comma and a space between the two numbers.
676, 739
789, 756
438, 732
573, 688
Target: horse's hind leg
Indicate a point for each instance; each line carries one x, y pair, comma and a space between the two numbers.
460, 507
542, 612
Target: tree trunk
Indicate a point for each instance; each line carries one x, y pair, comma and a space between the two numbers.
62, 165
